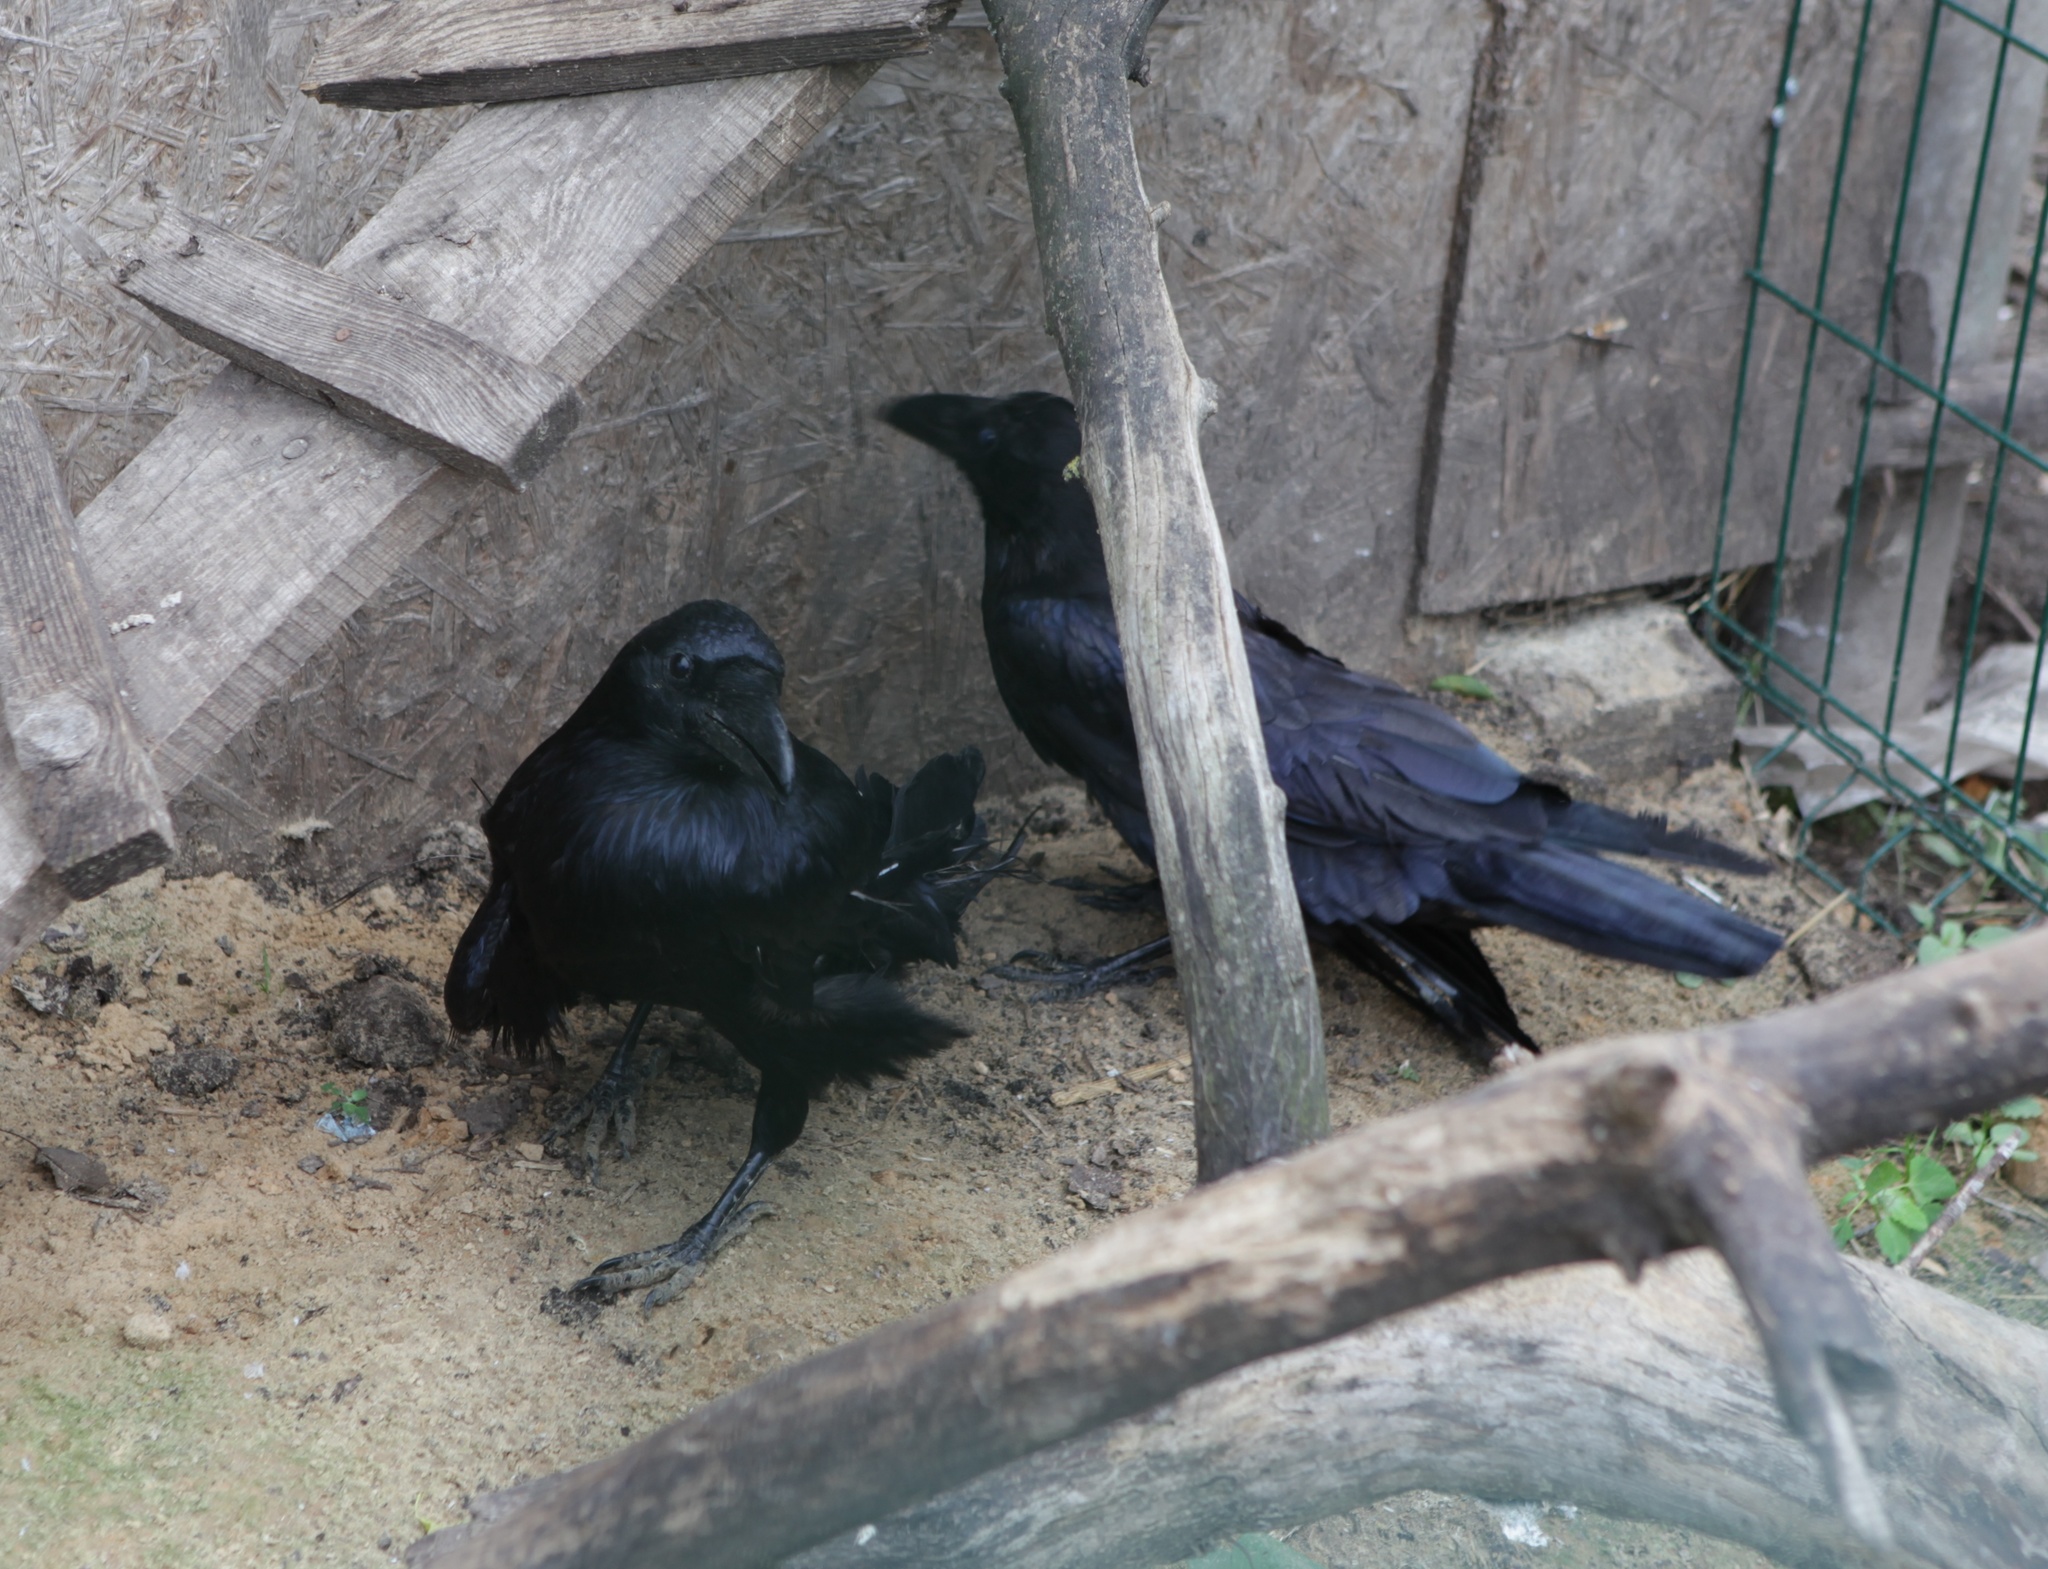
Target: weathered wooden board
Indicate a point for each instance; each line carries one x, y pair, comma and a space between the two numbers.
409, 53
325, 336
543, 230
94, 804
1619, 185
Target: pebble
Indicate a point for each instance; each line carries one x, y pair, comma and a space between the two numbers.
147, 1330
532, 1152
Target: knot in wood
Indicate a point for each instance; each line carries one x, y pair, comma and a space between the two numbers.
59, 732
1630, 1099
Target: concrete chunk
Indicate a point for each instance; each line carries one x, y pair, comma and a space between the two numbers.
1630, 691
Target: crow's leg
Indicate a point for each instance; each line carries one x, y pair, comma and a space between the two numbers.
1123, 895
779, 1113
610, 1103
1069, 980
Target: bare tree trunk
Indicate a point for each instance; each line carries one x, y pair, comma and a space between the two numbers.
1622, 1151
1651, 1401
1216, 814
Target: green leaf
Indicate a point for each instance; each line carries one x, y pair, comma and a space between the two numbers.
2025, 1106
1938, 847
1989, 936
1896, 1205
1882, 1175
1929, 1180
1945, 945
1961, 1133
1687, 979
1845, 1228
1922, 913
1464, 686
1893, 1242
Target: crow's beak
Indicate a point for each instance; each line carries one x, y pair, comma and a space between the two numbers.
944, 420
756, 742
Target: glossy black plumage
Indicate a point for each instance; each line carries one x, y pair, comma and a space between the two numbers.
671, 844
1404, 831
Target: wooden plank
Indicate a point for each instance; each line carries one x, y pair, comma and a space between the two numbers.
1619, 184
94, 803
413, 52
544, 230
325, 336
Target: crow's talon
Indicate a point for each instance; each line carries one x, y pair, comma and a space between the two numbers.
673, 1268
1122, 896
611, 1105
1070, 980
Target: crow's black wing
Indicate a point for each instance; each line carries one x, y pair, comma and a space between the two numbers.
1060, 669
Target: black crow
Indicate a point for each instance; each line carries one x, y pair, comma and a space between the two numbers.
1404, 831
671, 844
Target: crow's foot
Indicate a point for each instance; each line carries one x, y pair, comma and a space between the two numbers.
610, 1105
1122, 896
672, 1269
1065, 980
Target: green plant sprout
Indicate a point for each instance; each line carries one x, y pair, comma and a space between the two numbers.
352, 1107
1903, 1188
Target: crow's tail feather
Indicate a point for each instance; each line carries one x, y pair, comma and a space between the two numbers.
1580, 825
1614, 911
1440, 970
855, 1026
928, 873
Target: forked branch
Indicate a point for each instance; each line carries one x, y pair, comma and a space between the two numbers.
1625, 1150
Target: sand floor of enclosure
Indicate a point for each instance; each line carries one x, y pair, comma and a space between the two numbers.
304, 1353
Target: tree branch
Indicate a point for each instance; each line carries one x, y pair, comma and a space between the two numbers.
1216, 815
1650, 1401
1624, 1150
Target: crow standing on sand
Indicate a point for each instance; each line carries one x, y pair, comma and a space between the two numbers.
671, 844
1405, 833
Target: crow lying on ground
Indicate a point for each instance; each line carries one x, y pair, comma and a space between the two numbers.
671, 844
1404, 832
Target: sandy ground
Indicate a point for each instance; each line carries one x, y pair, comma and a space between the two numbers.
295, 1352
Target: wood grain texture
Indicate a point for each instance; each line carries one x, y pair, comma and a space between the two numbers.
410, 53
1253, 1016
273, 519
94, 804
1648, 1400
327, 337
1570, 1159
1616, 181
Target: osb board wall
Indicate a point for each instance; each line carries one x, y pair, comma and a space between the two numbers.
1311, 152
1600, 328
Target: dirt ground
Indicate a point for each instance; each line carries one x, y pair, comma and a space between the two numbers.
280, 1350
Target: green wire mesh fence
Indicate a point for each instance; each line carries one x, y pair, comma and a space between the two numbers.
1881, 400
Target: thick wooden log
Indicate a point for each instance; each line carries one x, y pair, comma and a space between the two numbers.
1253, 1016
543, 230
1651, 1401
94, 804
1601, 1152
325, 336
414, 52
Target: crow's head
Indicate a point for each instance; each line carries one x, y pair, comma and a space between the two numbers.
1018, 453
1001, 444
707, 680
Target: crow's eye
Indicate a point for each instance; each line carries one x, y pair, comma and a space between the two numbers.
680, 666
986, 436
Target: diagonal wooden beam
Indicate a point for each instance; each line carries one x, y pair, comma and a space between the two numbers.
94, 802
544, 230
326, 336
409, 53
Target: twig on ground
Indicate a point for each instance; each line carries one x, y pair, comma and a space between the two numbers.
1953, 1210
